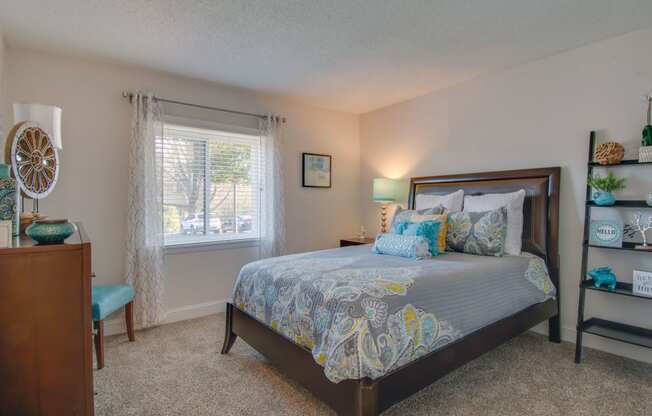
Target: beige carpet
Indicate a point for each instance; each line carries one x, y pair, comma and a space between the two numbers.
176, 370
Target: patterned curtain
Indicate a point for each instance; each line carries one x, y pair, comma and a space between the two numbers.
144, 216
272, 227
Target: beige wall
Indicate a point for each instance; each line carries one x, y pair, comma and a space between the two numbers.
534, 115
93, 181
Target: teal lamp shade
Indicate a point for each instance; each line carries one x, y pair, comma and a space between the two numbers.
384, 190
390, 190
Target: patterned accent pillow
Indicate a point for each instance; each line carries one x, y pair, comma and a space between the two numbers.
481, 233
413, 247
427, 229
402, 215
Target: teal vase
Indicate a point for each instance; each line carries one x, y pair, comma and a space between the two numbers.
603, 198
50, 231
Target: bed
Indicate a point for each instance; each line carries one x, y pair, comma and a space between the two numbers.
351, 354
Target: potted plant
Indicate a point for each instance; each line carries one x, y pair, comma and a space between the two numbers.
604, 187
645, 151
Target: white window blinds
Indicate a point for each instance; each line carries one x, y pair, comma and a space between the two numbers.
211, 185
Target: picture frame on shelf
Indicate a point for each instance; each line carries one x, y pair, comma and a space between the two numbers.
606, 229
642, 283
636, 231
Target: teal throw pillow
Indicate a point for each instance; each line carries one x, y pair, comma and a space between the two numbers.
427, 229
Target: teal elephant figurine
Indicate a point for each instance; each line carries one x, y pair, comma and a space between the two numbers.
603, 276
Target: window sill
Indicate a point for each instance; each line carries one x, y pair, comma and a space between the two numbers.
210, 246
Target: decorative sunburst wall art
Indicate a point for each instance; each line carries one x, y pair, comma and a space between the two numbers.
34, 159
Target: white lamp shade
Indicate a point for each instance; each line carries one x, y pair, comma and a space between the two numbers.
48, 117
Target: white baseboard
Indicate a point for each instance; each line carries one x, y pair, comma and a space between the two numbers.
115, 326
194, 311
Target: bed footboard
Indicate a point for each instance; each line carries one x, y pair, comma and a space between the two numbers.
347, 398
370, 397
229, 335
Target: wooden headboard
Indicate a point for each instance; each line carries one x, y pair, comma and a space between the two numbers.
541, 208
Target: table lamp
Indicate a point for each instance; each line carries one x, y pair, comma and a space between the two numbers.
387, 191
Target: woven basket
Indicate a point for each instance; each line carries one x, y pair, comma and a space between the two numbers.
645, 154
610, 153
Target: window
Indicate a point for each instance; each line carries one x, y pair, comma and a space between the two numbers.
211, 185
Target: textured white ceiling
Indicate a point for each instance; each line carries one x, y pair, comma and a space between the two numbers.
350, 55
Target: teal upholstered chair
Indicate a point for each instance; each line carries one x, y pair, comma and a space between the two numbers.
106, 300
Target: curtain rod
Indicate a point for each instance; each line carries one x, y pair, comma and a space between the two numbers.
129, 95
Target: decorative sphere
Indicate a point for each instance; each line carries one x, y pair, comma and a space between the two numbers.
610, 153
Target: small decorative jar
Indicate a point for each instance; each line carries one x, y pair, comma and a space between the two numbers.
50, 231
9, 199
649, 199
645, 154
603, 198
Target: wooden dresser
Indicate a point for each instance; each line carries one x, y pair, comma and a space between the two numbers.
45, 328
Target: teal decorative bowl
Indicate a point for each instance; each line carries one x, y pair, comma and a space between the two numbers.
604, 198
50, 231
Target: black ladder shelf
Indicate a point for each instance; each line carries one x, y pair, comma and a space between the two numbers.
596, 326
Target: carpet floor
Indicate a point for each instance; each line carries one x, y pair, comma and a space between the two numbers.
176, 369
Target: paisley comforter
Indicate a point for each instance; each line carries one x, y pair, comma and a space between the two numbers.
364, 315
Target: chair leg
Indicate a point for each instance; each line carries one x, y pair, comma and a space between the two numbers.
99, 343
129, 317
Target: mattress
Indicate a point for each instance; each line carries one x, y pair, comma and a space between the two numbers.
362, 314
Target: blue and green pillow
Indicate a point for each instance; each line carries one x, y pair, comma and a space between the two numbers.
427, 229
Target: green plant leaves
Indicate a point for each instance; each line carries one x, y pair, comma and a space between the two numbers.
607, 183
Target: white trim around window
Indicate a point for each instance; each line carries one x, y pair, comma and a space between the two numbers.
211, 175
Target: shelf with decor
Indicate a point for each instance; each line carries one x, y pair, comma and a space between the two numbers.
626, 246
596, 326
621, 203
622, 288
626, 162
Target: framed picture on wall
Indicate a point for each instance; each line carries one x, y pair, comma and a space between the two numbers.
316, 170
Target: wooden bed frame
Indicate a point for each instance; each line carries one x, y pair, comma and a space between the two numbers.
368, 397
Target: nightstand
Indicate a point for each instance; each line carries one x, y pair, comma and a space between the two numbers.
355, 241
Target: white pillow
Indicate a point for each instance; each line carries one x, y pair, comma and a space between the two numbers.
452, 202
514, 203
